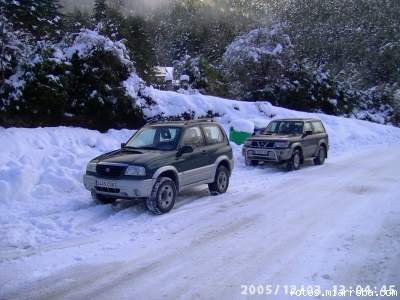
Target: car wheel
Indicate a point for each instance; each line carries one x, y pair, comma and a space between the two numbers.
250, 162
320, 159
221, 181
294, 162
163, 196
102, 199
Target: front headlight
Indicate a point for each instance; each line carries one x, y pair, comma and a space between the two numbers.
135, 171
281, 144
91, 167
247, 143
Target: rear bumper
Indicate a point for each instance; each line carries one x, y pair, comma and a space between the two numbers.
122, 187
270, 155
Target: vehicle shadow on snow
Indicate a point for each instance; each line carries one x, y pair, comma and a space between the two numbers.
199, 193
184, 198
280, 168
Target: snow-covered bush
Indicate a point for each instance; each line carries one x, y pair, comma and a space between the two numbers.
80, 79
377, 104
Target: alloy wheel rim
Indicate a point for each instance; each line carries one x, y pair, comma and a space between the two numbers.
222, 181
166, 196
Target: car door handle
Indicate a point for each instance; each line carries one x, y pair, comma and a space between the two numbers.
204, 152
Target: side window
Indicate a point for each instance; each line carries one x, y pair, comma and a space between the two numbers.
193, 137
167, 134
213, 135
318, 128
307, 127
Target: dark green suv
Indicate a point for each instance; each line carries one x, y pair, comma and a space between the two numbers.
289, 142
160, 160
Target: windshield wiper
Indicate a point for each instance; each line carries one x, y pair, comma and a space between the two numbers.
129, 148
143, 148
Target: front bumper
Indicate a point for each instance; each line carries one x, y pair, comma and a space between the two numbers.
123, 188
267, 154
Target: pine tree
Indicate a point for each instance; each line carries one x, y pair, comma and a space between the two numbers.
108, 19
135, 32
100, 9
41, 18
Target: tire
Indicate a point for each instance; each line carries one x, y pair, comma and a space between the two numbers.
250, 162
321, 156
163, 196
103, 199
294, 162
221, 181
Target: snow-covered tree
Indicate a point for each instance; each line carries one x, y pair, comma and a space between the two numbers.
257, 58
16, 51
41, 18
262, 65
100, 10
204, 76
396, 106
82, 76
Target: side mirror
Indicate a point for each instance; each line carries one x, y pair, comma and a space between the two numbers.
308, 132
185, 149
123, 145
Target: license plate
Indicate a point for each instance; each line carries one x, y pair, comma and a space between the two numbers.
263, 152
105, 183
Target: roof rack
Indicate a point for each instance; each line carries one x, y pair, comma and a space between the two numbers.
152, 121
186, 122
199, 121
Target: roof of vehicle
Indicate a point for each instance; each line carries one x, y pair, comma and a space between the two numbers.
297, 119
179, 122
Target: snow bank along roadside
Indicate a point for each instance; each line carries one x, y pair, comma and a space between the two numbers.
345, 134
41, 169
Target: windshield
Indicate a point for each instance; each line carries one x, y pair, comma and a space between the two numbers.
157, 138
285, 127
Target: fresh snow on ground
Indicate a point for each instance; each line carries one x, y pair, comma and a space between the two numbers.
333, 224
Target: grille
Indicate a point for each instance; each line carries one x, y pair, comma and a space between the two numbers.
108, 190
110, 170
262, 144
263, 158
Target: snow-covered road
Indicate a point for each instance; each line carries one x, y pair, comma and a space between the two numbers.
328, 225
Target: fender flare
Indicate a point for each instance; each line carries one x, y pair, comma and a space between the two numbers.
295, 145
161, 170
221, 159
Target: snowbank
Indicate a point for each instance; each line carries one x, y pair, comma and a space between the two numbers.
174, 104
344, 133
243, 125
41, 174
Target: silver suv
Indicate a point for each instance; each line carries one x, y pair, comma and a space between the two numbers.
289, 142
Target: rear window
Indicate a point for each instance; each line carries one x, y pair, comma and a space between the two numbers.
213, 134
318, 127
